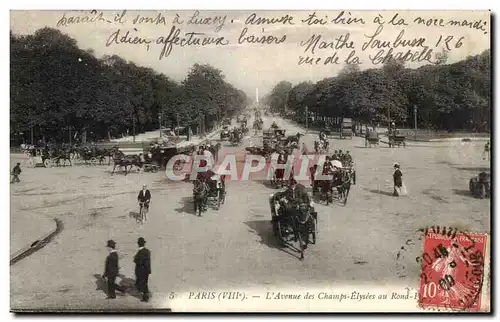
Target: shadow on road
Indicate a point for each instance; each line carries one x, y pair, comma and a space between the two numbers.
268, 184
465, 193
380, 192
187, 206
478, 169
264, 229
135, 215
126, 284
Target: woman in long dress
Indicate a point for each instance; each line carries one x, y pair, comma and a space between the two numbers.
398, 181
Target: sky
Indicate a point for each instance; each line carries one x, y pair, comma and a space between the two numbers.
253, 65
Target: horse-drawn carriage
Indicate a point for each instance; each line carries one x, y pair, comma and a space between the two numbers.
396, 139
333, 188
293, 222
257, 124
279, 133
225, 133
371, 139
480, 186
207, 190
243, 120
244, 128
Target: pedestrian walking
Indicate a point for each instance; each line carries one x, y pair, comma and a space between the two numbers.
486, 152
399, 188
16, 171
111, 270
142, 262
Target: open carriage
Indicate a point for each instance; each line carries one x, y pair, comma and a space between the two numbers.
294, 225
372, 139
225, 133
397, 139
211, 191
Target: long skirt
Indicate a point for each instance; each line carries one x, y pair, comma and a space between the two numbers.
400, 191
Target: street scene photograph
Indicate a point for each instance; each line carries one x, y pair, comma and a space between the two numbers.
250, 161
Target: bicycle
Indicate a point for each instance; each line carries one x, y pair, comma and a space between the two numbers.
143, 211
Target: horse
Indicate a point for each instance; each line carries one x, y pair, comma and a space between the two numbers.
235, 137
326, 145
121, 160
279, 174
60, 154
294, 138
200, 196
215, 150
300, 218
345, 187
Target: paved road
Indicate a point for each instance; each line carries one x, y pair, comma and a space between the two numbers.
234, 247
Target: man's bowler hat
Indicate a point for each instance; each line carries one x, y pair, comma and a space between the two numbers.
141, 241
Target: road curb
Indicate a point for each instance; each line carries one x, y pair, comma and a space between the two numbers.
448, 140
37, 243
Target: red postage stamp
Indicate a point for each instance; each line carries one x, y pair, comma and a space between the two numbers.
453, 270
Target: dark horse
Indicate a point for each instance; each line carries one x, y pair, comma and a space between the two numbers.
214, 149
63, 155
302, 221
200, 196
294, 138
121, 160
345, 187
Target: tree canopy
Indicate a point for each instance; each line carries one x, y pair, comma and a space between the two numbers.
447, 96
55, 85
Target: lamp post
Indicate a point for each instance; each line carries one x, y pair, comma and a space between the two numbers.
415, 109
307, 119
159, 121
133, 128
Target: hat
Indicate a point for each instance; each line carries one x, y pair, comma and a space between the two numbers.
396, 165
111, 243
141, 241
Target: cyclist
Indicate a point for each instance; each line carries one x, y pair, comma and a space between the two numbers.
144, 198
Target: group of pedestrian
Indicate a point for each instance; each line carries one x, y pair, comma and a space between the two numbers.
142, 262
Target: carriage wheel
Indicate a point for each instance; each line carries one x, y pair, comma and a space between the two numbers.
223, 195
278, 234
482, 191
301, 245
314, 230
275, 228
471, 185
93, 161
48, 163
217, 207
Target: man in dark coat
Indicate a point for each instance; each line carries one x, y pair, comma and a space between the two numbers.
111, 270
142, 262
16, 172
144, 196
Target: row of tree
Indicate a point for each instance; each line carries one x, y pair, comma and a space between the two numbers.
445, 96
56, 86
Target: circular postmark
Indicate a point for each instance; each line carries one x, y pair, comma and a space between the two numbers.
452, 269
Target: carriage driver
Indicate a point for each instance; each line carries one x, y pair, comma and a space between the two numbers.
295, 194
